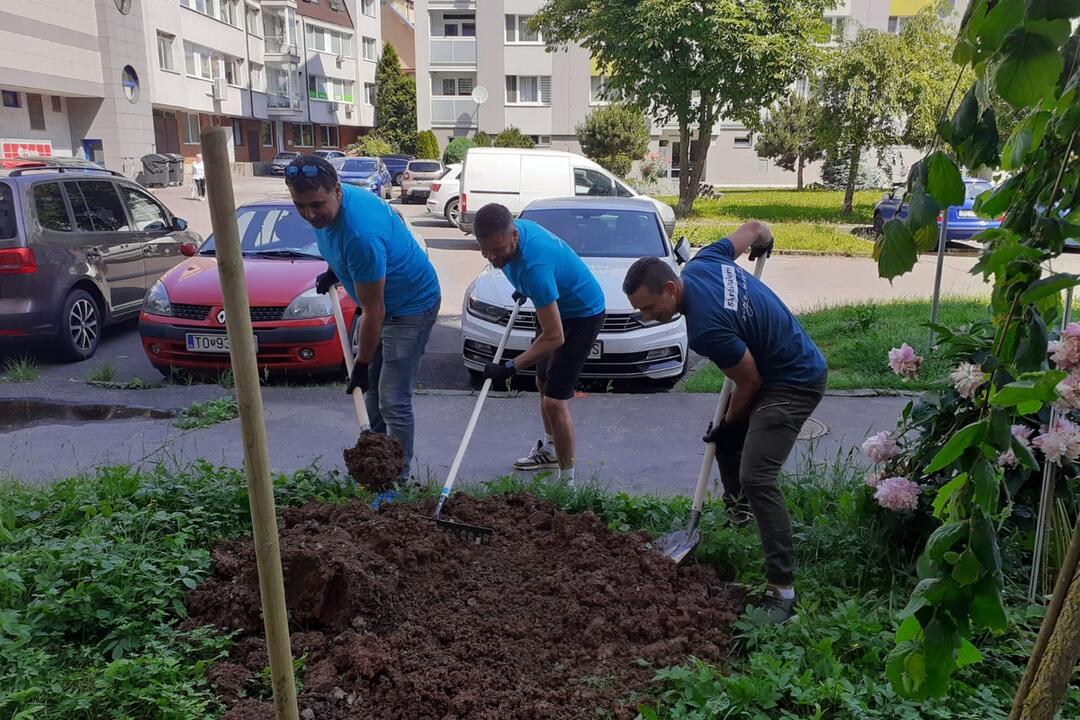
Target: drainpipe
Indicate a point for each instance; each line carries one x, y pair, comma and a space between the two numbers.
304, 90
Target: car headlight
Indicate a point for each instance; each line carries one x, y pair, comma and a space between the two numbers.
309, 304
486, 311
157, 300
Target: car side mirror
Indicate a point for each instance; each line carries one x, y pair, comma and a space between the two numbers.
179, 224
682, 250
189, 249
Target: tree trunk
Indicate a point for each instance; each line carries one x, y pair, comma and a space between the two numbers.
853, 174
798, 177
684, 206
686, 201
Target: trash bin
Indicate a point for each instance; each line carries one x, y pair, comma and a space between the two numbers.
176, 168
155, 171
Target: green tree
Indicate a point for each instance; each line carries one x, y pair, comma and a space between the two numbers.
395, 102
511, 137
427, 145
614, 136
370, 145
481, 139
790, 135
455, 150
692, 60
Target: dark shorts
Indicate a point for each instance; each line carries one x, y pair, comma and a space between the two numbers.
560, 371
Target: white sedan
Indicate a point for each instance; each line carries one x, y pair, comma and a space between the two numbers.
609, 233
443, 199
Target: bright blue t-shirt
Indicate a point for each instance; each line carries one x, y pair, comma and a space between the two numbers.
729, 310
368, 242
547, 270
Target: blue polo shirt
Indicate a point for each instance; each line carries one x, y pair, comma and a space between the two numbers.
547, 270
728, 310
368, 242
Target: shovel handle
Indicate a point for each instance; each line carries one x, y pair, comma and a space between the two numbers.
721, 408
350, 361
456, 465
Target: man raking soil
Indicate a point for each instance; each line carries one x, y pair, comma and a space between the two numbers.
779, 374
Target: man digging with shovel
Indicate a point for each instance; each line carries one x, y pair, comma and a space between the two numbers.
570, 311
372, 253
736, 321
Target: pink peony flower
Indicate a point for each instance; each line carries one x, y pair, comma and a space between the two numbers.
1068, 391
1066, 352
904, 362
873, 479
1062, 441
898, 494
1007, 459
881, 447
967, 378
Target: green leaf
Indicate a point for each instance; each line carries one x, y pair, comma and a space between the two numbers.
984, 542
895, 250
1052, 9
1029, 70
1037, 387
1003, 17
942, 539
940, 641
996, 201
189, 582
946, 492
919, 598
986, 483
968, 654
1025, 140
1030, 355
943, 180
957, 444
1024, 455
1049, 286
908, 630
896, 668
987, 609
1056, 30
964, 119
967, 569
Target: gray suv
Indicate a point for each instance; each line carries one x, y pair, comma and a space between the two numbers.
78, 249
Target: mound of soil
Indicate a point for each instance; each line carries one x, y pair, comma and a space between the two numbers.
398, 620
376, 461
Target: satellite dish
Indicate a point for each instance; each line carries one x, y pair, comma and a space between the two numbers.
480, 95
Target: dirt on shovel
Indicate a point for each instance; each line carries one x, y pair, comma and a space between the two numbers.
376, 461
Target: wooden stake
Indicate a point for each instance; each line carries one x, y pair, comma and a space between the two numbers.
230, 262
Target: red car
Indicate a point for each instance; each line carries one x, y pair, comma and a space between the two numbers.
182, 323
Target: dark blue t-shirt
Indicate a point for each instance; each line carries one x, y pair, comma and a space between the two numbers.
547, 270
729, 310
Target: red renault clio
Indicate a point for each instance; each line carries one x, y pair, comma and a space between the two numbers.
182, 324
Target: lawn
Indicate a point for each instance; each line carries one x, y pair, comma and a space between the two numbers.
812, 206
856, 340
791, 237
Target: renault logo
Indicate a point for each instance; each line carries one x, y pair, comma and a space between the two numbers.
221, 317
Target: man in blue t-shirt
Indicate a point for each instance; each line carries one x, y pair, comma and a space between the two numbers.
570, 308
733, 319
375, 257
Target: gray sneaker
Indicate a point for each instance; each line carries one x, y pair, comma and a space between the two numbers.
541, 458
778, 609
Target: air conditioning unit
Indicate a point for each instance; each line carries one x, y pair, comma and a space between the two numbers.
348, 111
332, 107
220, 89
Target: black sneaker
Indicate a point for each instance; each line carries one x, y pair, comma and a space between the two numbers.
779, 610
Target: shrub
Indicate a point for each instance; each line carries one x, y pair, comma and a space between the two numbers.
455, 151
481, 139
395, 102
427, 145
511, 137
371, 145
614, 136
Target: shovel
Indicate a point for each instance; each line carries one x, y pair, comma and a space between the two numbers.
473, 533
679, 544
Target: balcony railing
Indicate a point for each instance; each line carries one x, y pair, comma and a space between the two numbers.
453, 111
453, 51
282, 101
279, 46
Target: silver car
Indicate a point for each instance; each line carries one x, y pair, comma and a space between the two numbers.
417, 178
78, 250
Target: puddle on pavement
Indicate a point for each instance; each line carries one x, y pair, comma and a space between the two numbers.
16, 414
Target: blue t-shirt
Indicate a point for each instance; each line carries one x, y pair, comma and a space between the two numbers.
547, 270
729, 310
368, 242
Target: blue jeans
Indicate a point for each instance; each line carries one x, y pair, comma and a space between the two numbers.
392, 374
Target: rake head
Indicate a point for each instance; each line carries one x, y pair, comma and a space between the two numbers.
468, 533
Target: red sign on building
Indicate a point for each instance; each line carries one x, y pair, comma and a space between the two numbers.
15, 149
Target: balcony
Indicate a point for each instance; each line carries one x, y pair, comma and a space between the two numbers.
280, 46
460, 51
282, 103
453, 112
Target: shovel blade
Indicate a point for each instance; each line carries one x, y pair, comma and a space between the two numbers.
677, 545
468, 533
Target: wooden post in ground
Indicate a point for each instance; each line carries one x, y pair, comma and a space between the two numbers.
230, 263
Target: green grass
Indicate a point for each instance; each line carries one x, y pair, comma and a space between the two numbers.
856, 340
791, 237
105, 373
210, 412
814, 206
21, 369
135, 383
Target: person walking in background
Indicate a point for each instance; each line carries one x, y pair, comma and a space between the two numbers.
198, 178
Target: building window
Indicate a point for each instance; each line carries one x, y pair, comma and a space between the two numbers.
266, 134
897, 23
303, 135
459, 25
227, 11
528, 89
328, 136
368, 7
327, 41
129, 83
837, 24
744, 141
234, 71
258, 78
599, 92
165, 52
254, 27
456, 86
330, 89
56, 106
37, 111
541, 140
209, 64
369, 93
371, 49
517, 30
191, 129
237, 133
11, 99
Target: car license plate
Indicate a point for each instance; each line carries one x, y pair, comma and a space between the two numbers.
216, 343
596, 351
965, 213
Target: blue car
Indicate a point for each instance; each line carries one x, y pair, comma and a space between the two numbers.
964, 224
365, 172
396, 164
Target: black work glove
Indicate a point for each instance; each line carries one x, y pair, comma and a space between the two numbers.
765, 249
519, 298
325, 281
499, 372
358, 379
725, 434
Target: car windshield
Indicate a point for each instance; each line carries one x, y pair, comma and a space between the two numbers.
272, 230
357, 165
973, 190
286, 156
425, 167
603, 232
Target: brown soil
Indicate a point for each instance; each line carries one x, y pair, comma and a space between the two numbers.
376, 461
552, 619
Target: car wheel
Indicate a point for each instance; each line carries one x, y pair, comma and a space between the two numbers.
80, 326
397, 179
453, 212
879, 224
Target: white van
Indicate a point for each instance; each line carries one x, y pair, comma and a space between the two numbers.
514, 177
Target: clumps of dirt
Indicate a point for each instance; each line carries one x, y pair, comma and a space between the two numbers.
376, 461
557, 617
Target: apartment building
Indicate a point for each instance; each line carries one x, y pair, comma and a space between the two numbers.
485, 46
114, 80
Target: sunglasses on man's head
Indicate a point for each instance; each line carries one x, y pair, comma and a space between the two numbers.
308, 171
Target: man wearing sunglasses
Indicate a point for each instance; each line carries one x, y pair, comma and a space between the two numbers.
373, 254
